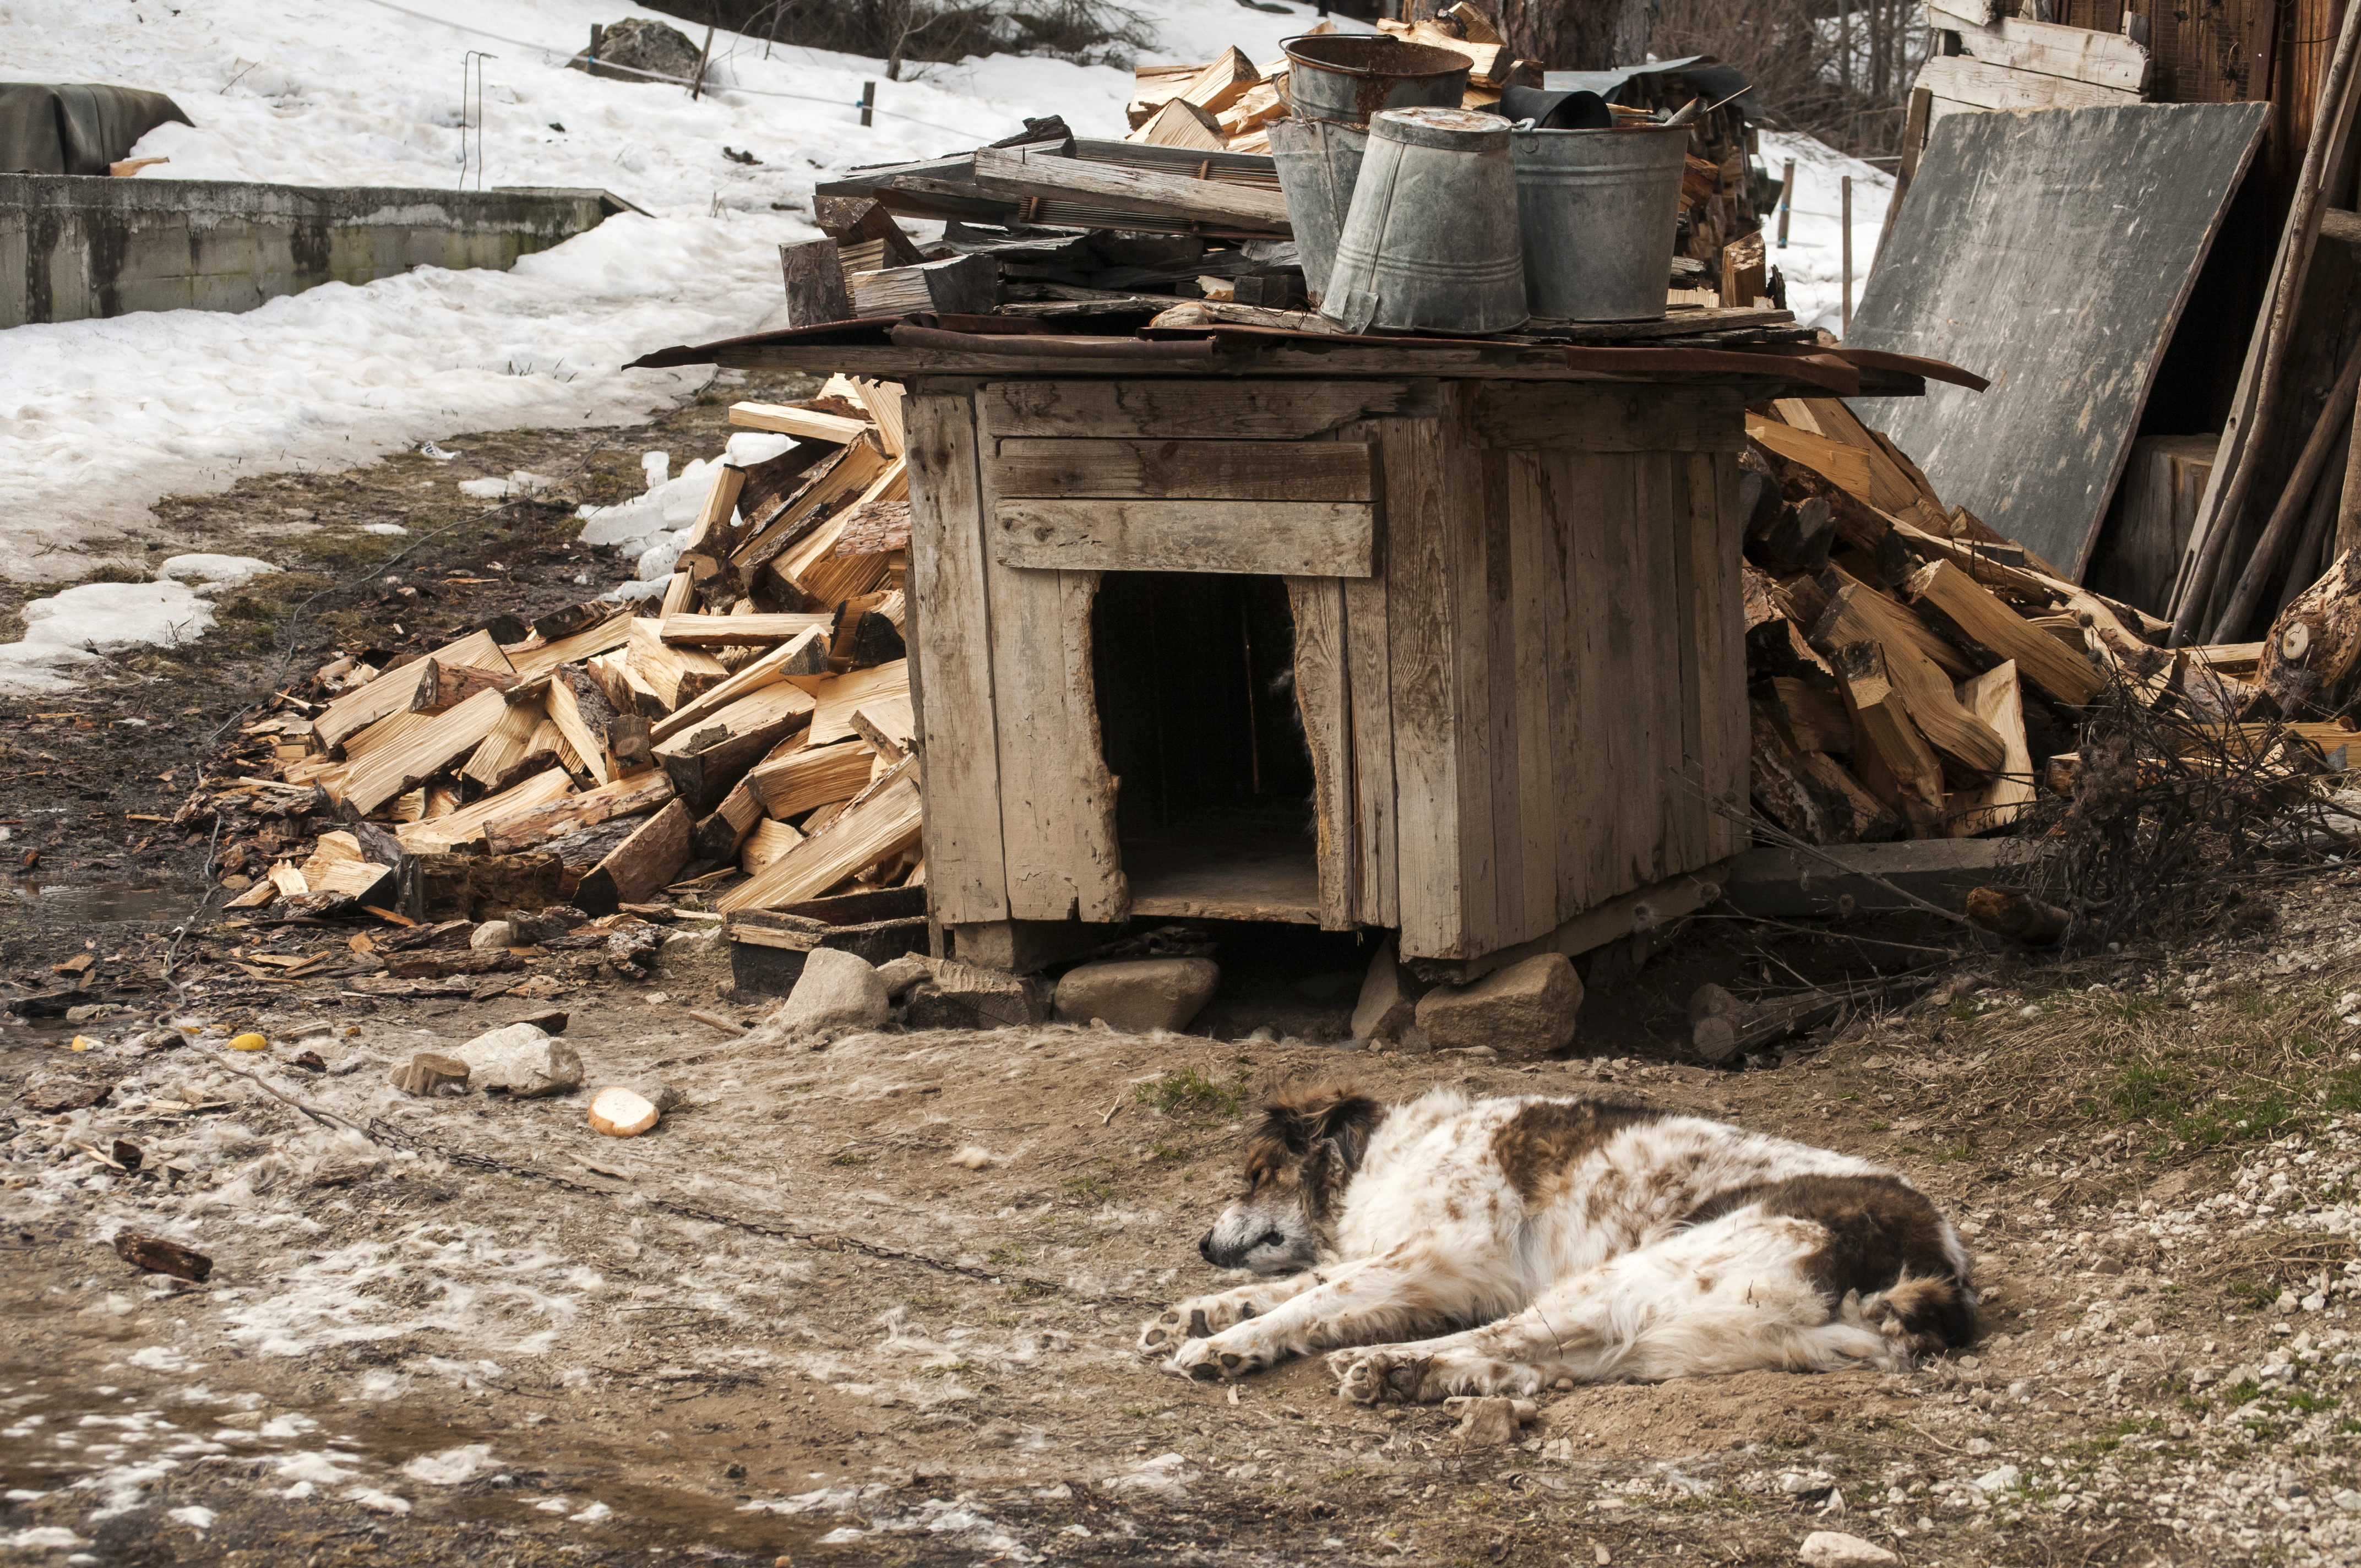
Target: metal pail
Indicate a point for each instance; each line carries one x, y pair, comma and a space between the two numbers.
1334, 76
1319, 161
1431, 239
1598, 212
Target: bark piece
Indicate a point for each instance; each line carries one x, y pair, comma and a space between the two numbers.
640, 866
2013, 913
154, 1254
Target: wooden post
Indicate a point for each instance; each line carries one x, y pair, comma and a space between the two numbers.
1786, 200
696, 88
1845, 316
868, 100
815, 287
1914, 135
597, 40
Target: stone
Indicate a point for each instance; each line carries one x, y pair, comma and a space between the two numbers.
154, 1254
1385, 1010
904, 974
664, 1096
1526, 1010
969, 996
493, 934
1488, 1421
1137, 996
836, 992
640, 44
522, 1060
1834, 1549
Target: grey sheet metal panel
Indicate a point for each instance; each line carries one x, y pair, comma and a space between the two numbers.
75, 129
2052, 251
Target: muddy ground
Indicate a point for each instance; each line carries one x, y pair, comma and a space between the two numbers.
877, 1302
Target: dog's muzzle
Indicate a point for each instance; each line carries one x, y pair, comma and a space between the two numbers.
1222, 1256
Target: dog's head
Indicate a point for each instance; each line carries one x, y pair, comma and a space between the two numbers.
1299, 1161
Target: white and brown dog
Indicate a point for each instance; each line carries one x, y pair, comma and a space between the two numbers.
1539, 1238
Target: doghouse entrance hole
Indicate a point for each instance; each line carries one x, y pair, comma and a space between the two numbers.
1194, 673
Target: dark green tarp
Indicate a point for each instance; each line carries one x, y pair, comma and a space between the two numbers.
77, 129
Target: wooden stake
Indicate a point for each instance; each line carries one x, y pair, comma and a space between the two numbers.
1845, 316
2261, 566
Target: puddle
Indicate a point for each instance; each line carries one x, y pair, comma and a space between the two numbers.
105, 901
115, 1446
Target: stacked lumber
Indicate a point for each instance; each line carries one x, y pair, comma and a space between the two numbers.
1985, 60
756, 730
1914, 674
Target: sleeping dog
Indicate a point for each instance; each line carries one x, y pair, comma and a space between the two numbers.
1495, 1246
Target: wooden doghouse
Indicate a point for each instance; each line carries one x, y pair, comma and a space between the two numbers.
1439, 638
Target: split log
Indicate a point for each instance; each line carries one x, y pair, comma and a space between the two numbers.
2039, 657
1997, 699
805, 654
626, 690
2315, 645
767, 843
641, 866
1891, 758
728, 825
707, 759
857, 220
811, 776
805, 424
883, 821
1786, 790
2013, 913
496, 756
841, 696
445, 686
957, 285
391, 692
676, 675
583, 714
1180, 124
526, 829
574, 617
443, 737
608, 634
1815, 718
428, 1074
1857, 613
465, 825
154, 1254
814, 273
738, 630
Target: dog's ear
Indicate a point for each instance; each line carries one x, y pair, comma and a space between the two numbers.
1302, 1119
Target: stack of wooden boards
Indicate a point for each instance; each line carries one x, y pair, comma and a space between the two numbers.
1228, 104
1983, 60
752, 739
1914, 674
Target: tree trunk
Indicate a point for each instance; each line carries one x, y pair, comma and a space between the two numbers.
1575, 35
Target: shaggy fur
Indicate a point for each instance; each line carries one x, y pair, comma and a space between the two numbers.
1495, 1246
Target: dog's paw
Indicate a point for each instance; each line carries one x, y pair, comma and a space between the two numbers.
1188, 1320
1378, 1377
1209, 1361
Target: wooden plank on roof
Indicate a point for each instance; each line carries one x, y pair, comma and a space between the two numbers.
1031, 172
1610, 419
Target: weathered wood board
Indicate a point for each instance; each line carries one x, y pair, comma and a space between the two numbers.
1301, 539
2052, 253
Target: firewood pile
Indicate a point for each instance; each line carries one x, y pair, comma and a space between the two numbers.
1914, 674
747, 746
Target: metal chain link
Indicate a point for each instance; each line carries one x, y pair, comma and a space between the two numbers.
380, 1130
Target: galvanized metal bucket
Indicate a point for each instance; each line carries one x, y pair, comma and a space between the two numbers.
1319, 163
1598, 212
1350, 77
1431, 239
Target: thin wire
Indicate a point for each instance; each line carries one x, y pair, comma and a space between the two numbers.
661, 76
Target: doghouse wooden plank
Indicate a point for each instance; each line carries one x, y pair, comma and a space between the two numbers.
1198, 410
1532, 587
1376, 897
1717, 689
1306, 539
1656, 787
1600, 617
1610, 419
1213, 470
966, 872
1490, 693
1321, 695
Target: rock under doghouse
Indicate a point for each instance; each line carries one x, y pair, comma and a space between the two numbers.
1137, 996
1526, 1010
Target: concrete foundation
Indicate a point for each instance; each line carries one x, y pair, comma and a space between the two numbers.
73, 248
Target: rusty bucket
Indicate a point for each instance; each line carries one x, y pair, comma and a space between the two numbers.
1431, 240
1350, 77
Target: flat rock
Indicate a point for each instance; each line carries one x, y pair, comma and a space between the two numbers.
493, 934
1524, 1011
836, 992
1137, 996
1834, 1549
1385, 1010
522, 1060
969, 996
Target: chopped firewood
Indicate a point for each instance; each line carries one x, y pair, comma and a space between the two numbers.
882, 822
840, 695
887, 724
442, 965
1181, 122
2013, 913
1984, 619
810, 425
769, 841
584, 716
723, 829
1892, 759
626, 690
640, 866
811, 776
874, 528
536, 824
509, 744
465, 825
390, 770
1996, 699
573, 618
1857, 613
805, 654
1222, 82
708, 758
442, 686
391, 692
743, 630
957, 285
2315, 643
675, 674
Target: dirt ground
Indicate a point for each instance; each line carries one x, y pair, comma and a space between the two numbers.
876, 1301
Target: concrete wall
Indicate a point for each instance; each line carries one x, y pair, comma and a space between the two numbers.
71, 248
